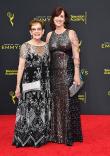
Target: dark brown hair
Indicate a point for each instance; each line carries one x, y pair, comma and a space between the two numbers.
31, 23
57, 12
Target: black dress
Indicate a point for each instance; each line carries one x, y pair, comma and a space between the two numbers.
65, 119
32, 126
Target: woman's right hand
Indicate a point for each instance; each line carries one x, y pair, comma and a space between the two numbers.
17, 92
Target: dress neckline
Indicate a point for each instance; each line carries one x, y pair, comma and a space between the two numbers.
60, 33
36, 45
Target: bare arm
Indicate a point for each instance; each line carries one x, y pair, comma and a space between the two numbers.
75, 50
19, 75
22, 59
47, 40
20, 70
48, 36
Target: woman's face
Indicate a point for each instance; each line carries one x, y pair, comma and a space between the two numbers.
37, 31
59, 20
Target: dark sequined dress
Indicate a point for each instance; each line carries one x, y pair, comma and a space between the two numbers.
32, 126
65, 119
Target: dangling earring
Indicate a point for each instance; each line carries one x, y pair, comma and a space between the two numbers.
31, 37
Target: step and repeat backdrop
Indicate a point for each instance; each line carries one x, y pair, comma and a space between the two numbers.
91, 21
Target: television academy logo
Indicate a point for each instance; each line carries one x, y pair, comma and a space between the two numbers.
11, 72
82, 97
11, 17
79, 17
106, 71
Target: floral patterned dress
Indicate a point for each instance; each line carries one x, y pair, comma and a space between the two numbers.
32, 126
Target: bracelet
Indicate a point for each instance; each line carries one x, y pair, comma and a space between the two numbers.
17, 85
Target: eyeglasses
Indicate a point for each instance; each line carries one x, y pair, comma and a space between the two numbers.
38, 29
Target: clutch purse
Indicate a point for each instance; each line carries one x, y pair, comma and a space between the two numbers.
31, 86
73, 91
36, 85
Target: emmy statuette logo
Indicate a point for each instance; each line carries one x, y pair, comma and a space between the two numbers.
13, 96
109, 93
11, 17
80, 42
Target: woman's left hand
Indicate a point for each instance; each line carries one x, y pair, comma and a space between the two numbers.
77, 80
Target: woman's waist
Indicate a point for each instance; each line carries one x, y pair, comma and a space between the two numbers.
61, 65
32, 67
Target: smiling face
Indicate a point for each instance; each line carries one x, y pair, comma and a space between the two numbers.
59, 20
36, 31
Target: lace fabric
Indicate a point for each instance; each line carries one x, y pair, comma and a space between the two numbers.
32, 126
39, 50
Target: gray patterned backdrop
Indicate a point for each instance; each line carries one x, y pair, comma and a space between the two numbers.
91, 21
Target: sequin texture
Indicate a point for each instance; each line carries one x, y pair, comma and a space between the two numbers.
65, 119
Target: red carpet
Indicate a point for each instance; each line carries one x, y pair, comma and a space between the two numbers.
96, 135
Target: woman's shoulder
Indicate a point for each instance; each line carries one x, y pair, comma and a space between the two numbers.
71, 31
27, 42
72, 34
46, 44
24, 45
49, 33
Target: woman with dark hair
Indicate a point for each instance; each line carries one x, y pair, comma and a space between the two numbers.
32, 126
65, 63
